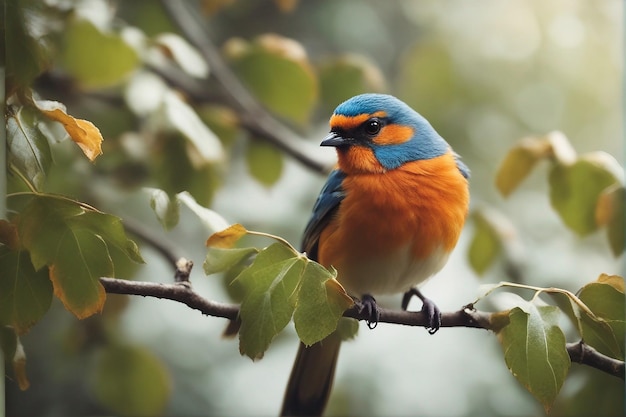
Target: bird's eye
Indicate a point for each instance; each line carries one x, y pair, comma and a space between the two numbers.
373, 126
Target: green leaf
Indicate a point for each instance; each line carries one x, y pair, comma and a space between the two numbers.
28, 148
277, 71
25, 294
576, 188
605, 298
347, 76
131, 381
94, 58
534, 350
265, 162
166, 210
221, 260
611, 212
495, 237
268, 304
485, 246
73, 240
321, 303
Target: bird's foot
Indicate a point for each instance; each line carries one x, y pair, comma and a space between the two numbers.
369, 307
429, 308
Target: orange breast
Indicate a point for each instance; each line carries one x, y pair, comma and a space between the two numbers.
419, 208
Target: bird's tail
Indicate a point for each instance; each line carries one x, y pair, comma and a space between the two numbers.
311, 378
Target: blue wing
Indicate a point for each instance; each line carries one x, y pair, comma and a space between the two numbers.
325, 207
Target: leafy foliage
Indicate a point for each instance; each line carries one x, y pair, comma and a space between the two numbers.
280, 283
534, 343
149, 114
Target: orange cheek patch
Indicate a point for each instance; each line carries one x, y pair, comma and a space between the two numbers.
393, 135
358, 159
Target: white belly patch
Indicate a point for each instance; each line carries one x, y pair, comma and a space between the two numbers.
395, 273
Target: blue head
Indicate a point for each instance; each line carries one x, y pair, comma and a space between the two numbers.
384, 127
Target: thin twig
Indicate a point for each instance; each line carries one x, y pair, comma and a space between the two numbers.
183, 293
254, 117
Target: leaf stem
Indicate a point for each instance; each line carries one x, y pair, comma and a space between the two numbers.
539, 290
277, 238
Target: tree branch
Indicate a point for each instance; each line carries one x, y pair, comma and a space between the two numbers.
466, 317
254, 117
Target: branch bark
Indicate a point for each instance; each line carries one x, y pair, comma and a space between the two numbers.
182, 292
253, 116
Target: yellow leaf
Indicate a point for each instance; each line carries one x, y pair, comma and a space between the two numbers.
226, 238
83, 132
614, 281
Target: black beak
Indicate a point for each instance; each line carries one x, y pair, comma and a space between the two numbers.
335, 139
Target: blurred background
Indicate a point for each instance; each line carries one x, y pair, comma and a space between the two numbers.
484, 74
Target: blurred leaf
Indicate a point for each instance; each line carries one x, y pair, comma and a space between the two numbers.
223, 121
166, 210
82, 132
94, 58
14, 356
25, 57
277, 70
561, 148
495, 236
174, 172
211, 220
522, 158
518, 163
265, 162
131, 381
611, 212
73, 241
485, 246
28, 148
347, 76
268, 304
534, 350
8, 344
576, 188
222, 259
25, 294
286, 6
185, 55
228, 237
605, 298
321, 303
179, 116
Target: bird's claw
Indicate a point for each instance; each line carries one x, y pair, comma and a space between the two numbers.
369, 307
429, 308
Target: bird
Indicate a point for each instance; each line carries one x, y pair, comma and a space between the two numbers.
386, 220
